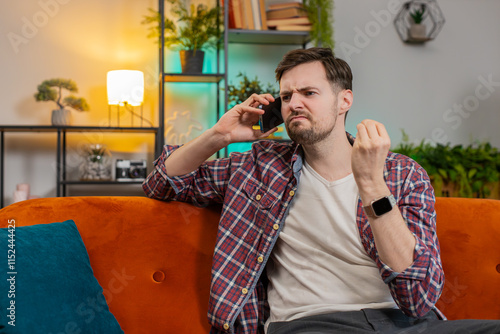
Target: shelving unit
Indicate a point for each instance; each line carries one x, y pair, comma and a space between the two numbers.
61, 150
275, 37
201, 78
230, 36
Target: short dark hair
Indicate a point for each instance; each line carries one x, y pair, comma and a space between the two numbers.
338, 72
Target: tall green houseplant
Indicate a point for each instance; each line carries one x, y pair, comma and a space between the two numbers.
320, 14
191, 30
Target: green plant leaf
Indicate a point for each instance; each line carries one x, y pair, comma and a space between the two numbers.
52, 90
239, 93
190, 28
320, 14
471, 173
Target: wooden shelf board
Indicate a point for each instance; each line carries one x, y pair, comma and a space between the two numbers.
268, 37
184, 77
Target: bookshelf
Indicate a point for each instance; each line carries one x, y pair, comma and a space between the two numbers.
257, 15
230, 36
61, 165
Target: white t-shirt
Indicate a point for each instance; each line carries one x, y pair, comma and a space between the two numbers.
319, 264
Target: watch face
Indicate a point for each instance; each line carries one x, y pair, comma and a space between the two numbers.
381, 206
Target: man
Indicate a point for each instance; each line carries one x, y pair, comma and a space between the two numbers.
325, 234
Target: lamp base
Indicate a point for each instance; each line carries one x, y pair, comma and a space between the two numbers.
133, 114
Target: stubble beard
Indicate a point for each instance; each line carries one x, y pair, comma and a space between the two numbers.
311, 135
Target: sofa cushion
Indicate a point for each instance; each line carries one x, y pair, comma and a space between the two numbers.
50, 285
152, 258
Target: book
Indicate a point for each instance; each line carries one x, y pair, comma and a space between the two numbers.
294, 27
288, 4
230, 15
263, 18
256, 15
247, 15
285, 13
293, 20
238, 15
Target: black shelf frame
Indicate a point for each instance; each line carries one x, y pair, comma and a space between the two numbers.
61, 132
229, 36
164, 77
273, 37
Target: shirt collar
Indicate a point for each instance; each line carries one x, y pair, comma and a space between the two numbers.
298, 153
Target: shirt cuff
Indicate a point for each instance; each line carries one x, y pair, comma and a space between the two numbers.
178, 183
417, 270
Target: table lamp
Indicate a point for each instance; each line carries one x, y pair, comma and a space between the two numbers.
125, 88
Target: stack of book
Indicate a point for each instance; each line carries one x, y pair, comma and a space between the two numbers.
290, 16
247, 14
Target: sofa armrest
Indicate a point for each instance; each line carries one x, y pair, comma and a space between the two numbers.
469, 235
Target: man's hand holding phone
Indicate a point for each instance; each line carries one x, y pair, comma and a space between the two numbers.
271, 117
236, 125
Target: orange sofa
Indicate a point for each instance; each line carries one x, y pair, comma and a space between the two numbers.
165, 248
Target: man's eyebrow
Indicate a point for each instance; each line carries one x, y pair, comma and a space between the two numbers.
301, 90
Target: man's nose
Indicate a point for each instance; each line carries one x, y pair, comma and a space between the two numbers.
295, 102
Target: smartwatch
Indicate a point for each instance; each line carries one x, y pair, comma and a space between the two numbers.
380, 206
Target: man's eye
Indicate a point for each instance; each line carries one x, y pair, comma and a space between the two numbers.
308, 93
285, 98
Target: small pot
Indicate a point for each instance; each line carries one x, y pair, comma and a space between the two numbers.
192, 61
417, 31
61, 117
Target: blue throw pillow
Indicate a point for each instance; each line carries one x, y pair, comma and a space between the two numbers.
47, 284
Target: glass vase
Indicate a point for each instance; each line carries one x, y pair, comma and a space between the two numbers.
97, 163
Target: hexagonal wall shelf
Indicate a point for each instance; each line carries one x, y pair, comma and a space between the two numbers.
419, 21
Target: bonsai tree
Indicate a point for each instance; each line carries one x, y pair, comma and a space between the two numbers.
51, 90
194, 28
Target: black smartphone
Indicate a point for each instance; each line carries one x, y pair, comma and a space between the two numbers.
272, 116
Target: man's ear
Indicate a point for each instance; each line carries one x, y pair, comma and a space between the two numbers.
345, 98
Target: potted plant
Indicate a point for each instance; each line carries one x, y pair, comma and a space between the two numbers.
239, 93
417, 29
457, 171
51, 90
320, 14
194, 30
246, 87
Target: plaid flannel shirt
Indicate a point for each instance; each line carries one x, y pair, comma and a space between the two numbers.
256, 189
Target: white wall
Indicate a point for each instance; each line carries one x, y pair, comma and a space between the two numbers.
419, 88
415, 88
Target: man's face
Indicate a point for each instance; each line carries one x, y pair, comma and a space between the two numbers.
309, 104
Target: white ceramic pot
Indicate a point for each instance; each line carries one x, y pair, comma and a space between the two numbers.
61, 117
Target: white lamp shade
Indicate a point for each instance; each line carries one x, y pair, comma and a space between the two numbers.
125, 86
